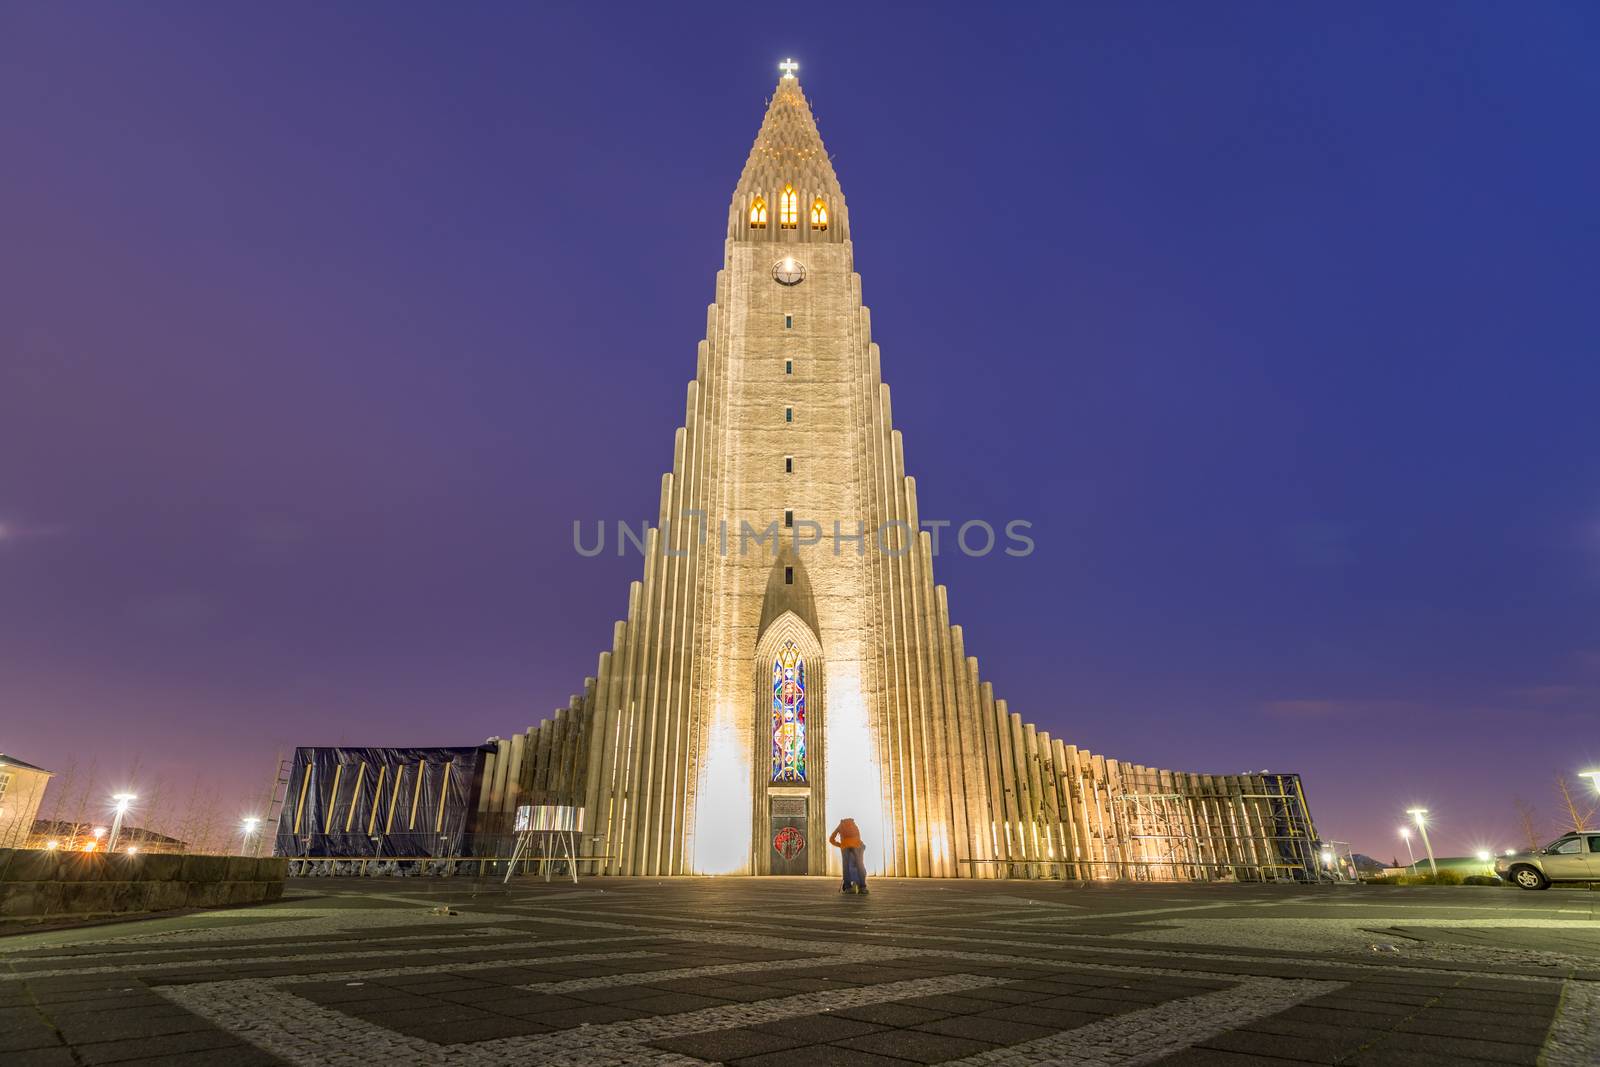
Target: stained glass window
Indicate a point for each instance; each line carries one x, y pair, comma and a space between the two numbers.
789, 715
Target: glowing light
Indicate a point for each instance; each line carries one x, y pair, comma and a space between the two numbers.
852, 766
1405, 832
1511, 852
1417, 814
98, 832
89, 846
788, 208
758, 214
133, 850
788, 66
52, 844
819, 214
1593, 776
722, 814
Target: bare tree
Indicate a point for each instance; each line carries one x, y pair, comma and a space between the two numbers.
1577, 818
1528, 821
82, 808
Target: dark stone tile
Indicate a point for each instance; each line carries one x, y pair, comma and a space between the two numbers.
593, 1014
60, 1056
1301, 1048
1207, 1057
915, 1045
25, 1036
454, 1033
818, 1056
891, 1014
1006, 995
950, 1004
230, 1056
528, 1002
987, 1028
720, 1046
127, 1025
744, 993
151, 1047
802, 984
1401, 1046
670, 1003
1056, 1019
818, 1029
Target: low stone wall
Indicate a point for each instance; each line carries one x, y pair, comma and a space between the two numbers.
41, 883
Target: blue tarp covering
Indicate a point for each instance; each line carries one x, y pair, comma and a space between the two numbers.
380, 802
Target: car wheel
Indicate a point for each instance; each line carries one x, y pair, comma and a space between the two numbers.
1529, 878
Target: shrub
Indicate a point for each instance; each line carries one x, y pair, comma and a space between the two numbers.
1481, 879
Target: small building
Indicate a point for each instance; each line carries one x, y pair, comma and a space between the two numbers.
22, 787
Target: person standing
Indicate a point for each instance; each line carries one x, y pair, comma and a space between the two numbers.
846, 837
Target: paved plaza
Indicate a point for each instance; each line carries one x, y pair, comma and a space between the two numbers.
788, 971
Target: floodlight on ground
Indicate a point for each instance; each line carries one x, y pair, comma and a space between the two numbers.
1484, 856
1422, 828
247, 826
52, 844
123, 802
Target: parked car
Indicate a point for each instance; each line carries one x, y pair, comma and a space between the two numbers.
1573, 857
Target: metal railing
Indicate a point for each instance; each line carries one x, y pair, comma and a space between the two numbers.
1129, 870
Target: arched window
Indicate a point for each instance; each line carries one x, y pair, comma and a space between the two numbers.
819, 214
789, 715
788, 208
758, 214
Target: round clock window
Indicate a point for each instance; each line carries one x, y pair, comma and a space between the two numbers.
788, 271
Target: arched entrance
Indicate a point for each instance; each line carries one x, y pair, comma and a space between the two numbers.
789, 746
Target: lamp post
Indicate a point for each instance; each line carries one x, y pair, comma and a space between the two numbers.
1422, 827
123, 800
248, 828
1405, 832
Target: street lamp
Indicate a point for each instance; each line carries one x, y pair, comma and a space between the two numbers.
1405, 832
247, 827
1422, 827
1594, 778
123, 800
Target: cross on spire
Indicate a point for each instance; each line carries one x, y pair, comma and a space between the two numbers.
788, 66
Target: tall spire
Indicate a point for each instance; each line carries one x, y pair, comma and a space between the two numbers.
788, 160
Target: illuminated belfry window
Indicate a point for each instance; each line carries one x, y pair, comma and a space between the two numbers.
788, 208
819, 214
758, 214
789, 713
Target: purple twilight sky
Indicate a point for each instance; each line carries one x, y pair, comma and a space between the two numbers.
319, 325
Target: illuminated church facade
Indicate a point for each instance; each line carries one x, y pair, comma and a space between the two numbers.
787, 657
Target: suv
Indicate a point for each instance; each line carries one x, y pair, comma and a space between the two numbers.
1573, 857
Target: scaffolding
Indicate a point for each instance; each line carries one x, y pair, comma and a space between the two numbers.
1165, 827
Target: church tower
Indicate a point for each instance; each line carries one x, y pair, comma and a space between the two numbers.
787, 659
